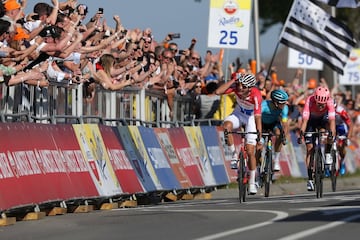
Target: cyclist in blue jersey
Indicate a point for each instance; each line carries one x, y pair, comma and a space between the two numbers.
274, 117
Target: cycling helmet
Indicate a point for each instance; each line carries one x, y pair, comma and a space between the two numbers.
321, 94
247, 80
279, 96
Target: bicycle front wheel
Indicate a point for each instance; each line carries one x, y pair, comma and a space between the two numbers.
242, 178
268, 172
318, 173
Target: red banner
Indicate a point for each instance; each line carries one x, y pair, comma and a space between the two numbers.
185, 155
41, 163
121, 164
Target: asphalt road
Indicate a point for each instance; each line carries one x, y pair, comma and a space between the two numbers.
290, 214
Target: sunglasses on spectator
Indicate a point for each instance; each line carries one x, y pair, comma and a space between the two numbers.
167, 57
173, 49
195, 58
198, 86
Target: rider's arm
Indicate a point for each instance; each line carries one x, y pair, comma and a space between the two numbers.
224, 87
284, 119
258, 125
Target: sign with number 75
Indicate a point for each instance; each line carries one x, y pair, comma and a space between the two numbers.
352, 69
229, 24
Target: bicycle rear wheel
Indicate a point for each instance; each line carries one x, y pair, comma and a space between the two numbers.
242, 178
268, 172
333, 172
318, 174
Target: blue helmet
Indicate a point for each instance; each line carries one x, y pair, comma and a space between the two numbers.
279, 96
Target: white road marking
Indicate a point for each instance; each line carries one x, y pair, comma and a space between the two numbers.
279, 216
316, 230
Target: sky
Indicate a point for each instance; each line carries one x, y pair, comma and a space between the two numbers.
187, 17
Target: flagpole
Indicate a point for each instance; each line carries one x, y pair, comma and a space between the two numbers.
278, 43
272, 59
335, 74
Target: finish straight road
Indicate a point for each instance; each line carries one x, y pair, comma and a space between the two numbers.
297, 216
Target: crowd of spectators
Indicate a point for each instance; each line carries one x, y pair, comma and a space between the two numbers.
54, 43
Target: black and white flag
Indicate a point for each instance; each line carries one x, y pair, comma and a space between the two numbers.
310, 30
342, 3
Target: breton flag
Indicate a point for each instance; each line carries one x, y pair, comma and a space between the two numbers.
312, 31
342, 3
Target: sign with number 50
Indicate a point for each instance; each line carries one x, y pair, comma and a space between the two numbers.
229, 24
298, 59
352, 69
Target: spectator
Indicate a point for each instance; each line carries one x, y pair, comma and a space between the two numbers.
209, 102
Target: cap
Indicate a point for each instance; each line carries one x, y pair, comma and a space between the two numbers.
11, 5
20, 34
312, 83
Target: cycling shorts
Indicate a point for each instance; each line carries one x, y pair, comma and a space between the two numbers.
239, 120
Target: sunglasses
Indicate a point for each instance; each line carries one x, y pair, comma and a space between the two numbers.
167, 57
321, 105
198, 86
195, 58
173, 49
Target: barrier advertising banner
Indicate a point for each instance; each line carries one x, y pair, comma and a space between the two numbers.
22, 175
123, 134
169, 151
196, 142
123, 169
184, 153
93, 148
139, 144
78, 171
32, 168
158, 159
232, 174
211, 142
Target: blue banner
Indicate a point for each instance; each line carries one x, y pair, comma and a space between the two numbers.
215, 155
158, 159
133, 154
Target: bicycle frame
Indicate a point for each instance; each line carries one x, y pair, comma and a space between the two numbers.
317, 161
242, 169
266, 171
334, 171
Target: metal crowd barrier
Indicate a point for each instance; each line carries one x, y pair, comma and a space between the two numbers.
62, 102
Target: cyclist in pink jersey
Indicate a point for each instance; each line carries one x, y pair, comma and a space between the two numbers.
247, 112
318, 113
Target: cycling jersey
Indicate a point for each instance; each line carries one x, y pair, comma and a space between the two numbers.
251, 105
342, 121
270, 114
342, 116
245, 111
311, 110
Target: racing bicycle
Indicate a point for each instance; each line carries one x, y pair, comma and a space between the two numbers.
242, 169
266, 168
317, 160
